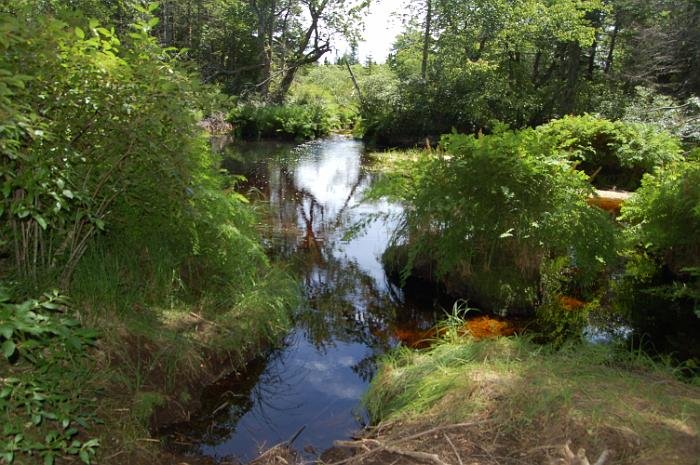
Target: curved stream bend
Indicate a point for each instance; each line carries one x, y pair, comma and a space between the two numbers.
316, 380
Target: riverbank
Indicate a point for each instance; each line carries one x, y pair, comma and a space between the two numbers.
152, 370
508, 401
125, 368
132, 274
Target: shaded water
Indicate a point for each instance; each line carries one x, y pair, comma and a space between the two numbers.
353, 313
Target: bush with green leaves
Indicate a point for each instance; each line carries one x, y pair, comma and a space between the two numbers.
94, 125
102, 142
290, 121
109, 190
491, 212
44, 364
330, 86
612, 153
660, 290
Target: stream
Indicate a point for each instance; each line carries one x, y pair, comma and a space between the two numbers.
312, 386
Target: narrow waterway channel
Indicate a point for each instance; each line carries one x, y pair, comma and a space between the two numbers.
313, 198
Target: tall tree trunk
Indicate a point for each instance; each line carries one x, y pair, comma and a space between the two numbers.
611, 51
536, 67
591, 59
265, 13
568, 104
301, 57
355, 83
426, 39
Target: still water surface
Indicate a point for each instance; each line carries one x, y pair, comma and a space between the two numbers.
352, 313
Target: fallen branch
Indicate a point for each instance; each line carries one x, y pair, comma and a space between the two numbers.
421, 456
441, 428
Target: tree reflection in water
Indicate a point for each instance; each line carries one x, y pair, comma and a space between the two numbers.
313, 194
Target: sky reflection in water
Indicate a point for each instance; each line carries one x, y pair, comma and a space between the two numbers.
316, 381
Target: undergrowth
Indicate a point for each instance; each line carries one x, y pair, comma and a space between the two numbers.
294, 121
46, 410
110, 192
598, 395
489, 214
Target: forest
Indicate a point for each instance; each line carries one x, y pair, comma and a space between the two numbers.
228, 234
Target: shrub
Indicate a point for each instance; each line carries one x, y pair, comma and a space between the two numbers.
329, 86
494, 211
613, 153
660, 291
296, 122
43, 364
98, 131
109, 188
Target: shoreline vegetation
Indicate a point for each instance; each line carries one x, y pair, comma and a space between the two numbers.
112, 196
132, 274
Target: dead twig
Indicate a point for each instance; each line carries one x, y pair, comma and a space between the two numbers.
442, 428
569, 458
421, 456
454, 449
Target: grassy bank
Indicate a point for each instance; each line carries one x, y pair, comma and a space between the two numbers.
97, 376
526, 401
131, 272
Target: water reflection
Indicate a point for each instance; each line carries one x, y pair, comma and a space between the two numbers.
313, 194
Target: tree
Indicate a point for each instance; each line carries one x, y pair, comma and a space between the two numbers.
660, 42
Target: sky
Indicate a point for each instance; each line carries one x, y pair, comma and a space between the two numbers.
381, 28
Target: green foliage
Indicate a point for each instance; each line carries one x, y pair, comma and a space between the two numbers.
560, 318
660, 291
518, 62
110, 126
292, 121
41, 397
529, 61
109, 190
329, 86
502, 207
613, 153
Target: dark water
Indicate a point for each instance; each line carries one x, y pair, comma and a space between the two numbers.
314, 198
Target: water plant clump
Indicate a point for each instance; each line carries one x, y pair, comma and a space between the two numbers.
493, 213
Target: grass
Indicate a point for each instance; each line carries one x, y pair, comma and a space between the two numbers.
598, 396
161, 342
